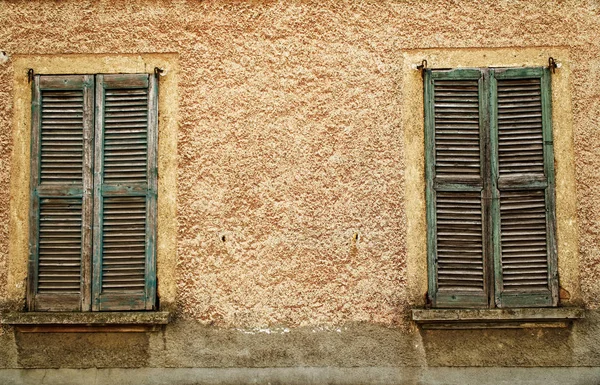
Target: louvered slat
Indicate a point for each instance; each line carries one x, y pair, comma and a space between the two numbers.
454, 170
125, 136
124, 244
61, 198
520, 136
459, 241
525, 256
524, 240
61, 136
457, 141
59, 245
125, 185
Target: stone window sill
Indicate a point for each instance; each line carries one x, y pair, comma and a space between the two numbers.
86, 322
496, 318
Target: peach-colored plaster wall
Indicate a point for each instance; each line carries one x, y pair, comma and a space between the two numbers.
290, 179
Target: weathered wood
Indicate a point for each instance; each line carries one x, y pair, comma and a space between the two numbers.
429, 189
460, 74
58, 191
59, 247
487, 194
124, 244
34, 208
62, 82
498, 144
440, 184
152, 225
516, 73
522, 182
60, 118
98, 193
522, 159
130, 190
121, 301
57, 302
454, 154
66, 146
457, 136
550, 190
125, 193
88, 195
120, 81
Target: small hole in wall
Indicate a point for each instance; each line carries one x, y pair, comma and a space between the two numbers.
222, 238
355, 237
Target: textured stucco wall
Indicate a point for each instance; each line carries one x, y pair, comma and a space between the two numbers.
291, 189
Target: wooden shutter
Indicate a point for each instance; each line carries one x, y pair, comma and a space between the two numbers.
523, 188
61, 188
125, 183
455, 134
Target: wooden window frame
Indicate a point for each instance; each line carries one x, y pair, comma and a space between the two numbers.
90, 297
492, 296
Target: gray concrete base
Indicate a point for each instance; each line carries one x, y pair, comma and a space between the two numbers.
304, 376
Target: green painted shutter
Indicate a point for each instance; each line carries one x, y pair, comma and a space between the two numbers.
61, 201
455, 137
125, 182
523, 188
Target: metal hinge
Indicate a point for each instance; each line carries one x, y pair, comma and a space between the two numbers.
552, 64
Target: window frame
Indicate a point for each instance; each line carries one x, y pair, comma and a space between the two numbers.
91, 297
20, 162
492, 295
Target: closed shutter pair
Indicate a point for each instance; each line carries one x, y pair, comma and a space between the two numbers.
490, 188
93, 193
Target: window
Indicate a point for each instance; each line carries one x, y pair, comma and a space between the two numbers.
490, 188
93, 193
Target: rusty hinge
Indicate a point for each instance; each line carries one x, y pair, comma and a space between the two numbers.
552, 64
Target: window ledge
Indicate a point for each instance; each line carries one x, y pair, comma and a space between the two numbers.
496, 318
86, 322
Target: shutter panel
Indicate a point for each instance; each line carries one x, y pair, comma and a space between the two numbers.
61, 181
455, 110
523, 178
125, 187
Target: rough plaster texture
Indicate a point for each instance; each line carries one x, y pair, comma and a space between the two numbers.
291, 155
291, 166
291, 177
82, 350
6, 75
353, 345
186, 343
